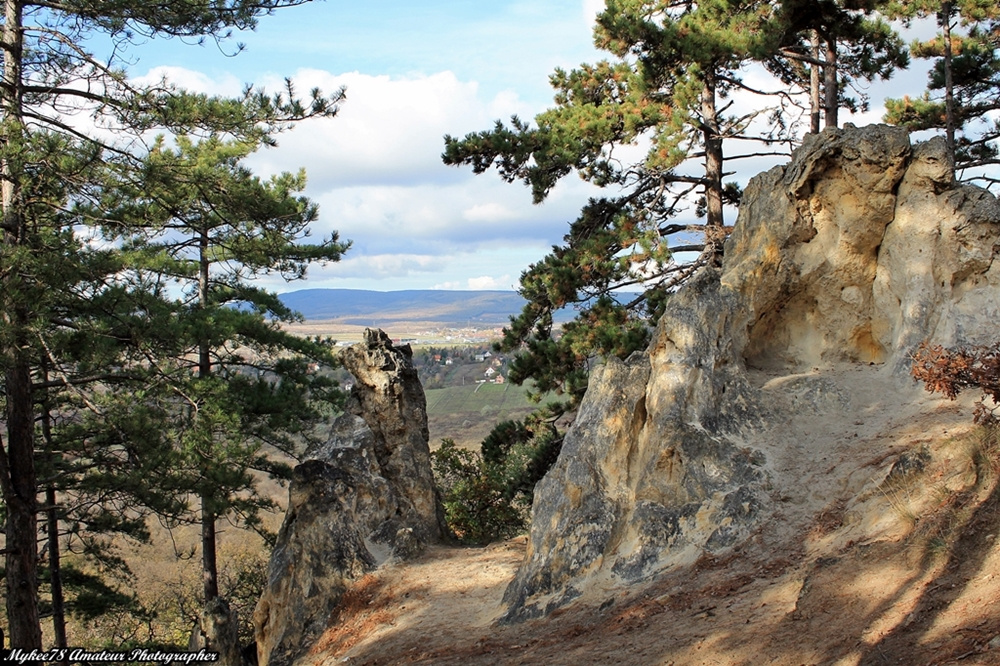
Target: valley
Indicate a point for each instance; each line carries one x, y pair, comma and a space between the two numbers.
458, 368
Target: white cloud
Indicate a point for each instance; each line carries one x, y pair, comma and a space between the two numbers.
490, 282
193, 81
389, 130
381, 266
470, 214
376, 171
488, 212
591, 8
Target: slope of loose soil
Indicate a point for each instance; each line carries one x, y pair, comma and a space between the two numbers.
856, 567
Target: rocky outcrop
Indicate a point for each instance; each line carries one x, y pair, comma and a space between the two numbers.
363, 498
856, 251
218, 631
388, 396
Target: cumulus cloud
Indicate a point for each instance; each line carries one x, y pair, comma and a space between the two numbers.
381, 266
194, 81
481, 283
488, 212
489, 268
490, 282
469, 214
376, 171
388, 131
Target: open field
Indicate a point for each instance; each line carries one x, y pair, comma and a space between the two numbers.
427, 332
466, 414
486, 399
463, 410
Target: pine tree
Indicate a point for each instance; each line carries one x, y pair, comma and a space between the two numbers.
676, 65
201, 219
48, 75
86, 322
828, 47
964, 80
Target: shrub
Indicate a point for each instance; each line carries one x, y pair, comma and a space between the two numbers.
487, 494
474, 496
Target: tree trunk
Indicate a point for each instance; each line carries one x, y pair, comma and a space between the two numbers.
830, 87
209, 560
52, 528
55, 571
17, 463
210, 573
949, 84
204, 352
713, 166
814, 101
17, 469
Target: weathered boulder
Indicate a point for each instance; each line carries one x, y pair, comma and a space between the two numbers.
364, 497
647, 477
218, 631
803, 255
856, 251
387, 394
937, 273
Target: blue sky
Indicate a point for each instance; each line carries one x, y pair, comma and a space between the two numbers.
414, 71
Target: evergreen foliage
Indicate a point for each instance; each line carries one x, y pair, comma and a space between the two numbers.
963, 83
831, 48
239, 384
487, 494
83, 323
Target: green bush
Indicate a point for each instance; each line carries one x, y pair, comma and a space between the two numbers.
487, 494
473, 492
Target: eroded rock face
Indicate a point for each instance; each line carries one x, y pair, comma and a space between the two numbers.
218, 631
856, 251
651, 474
937, 273
390, 399
366, 496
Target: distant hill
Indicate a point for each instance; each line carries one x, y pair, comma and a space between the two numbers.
367, 308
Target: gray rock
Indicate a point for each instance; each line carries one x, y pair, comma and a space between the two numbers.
363, 498
856, 251
218, 631
647, 478
390, 399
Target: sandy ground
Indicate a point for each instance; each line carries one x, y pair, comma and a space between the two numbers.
856, 566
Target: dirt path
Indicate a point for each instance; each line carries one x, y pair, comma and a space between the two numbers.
860, 565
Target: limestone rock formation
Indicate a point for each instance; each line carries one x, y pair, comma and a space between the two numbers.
856, 251
365, 497
390, 399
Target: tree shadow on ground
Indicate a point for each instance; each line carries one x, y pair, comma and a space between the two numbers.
967, 555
